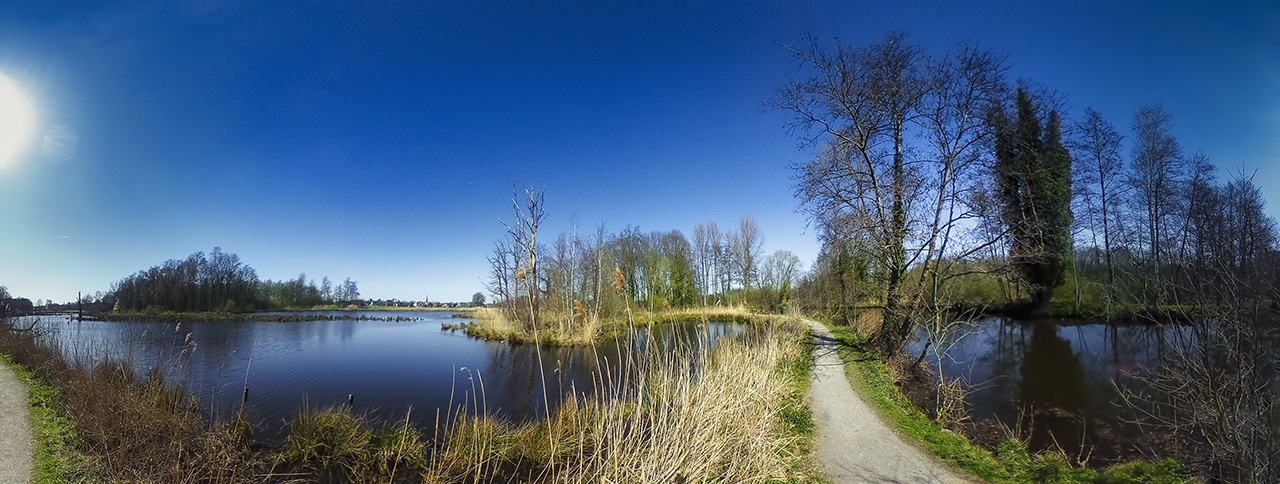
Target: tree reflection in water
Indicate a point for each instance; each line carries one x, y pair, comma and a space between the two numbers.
1053, 396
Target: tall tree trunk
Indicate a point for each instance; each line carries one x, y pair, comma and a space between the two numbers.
894, 328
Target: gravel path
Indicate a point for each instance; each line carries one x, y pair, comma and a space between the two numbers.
15, 430
854, 445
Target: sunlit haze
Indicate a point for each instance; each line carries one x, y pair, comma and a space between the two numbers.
380, 140
17, 121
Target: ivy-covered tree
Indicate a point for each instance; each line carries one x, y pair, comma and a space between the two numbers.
1033, 173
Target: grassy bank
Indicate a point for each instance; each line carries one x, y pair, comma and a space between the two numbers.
712, 314
1010, 462
737, 414
985, 293
493, 323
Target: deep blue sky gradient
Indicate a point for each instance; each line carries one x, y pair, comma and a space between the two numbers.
379, 140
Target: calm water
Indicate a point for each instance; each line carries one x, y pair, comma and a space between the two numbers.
1059, 383
387, 366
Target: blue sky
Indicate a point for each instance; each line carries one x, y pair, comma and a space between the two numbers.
379, 140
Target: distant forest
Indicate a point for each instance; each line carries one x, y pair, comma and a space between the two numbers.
218, 281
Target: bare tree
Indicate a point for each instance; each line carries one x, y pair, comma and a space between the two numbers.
1098, 171
703, 258
1156, 177
780, 271
732, 264
523, 235
716, 276
599, 267
749, 247
1201, 218
501, 275
899, 136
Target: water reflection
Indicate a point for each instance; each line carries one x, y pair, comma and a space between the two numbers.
1053, 393
386, 366
1056, 382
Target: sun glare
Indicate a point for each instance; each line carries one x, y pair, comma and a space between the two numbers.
17, 121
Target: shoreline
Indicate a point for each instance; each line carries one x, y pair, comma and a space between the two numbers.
1086, 313
220, 317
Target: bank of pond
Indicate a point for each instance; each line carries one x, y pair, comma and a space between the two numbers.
378, 364
1055, 383
1060, 384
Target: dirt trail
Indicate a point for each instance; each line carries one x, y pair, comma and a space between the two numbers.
854, 445
15, 430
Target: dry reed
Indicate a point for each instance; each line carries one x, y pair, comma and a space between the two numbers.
681, 418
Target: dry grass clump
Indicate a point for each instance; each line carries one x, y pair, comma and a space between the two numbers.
738, 313
491, 323
335, 444
555, 329
683, 419
710, 420
577, 328
868, 321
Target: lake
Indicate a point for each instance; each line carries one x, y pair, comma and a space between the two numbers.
386, 366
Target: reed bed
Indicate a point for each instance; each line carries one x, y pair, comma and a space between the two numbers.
677, 418
737, 313
559, 330
579, 329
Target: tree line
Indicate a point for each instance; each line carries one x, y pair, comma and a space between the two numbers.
932, 169
936, 179
608, 275
219, 281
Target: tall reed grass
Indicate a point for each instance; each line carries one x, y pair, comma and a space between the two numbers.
678, 418
494, 324
683, 415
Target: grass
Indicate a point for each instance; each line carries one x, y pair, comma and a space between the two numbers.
333, 443
796, 418
984, 291
556, 330
1010, 462
56, 457
713, 314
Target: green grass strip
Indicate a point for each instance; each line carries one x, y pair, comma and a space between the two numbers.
797, 416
